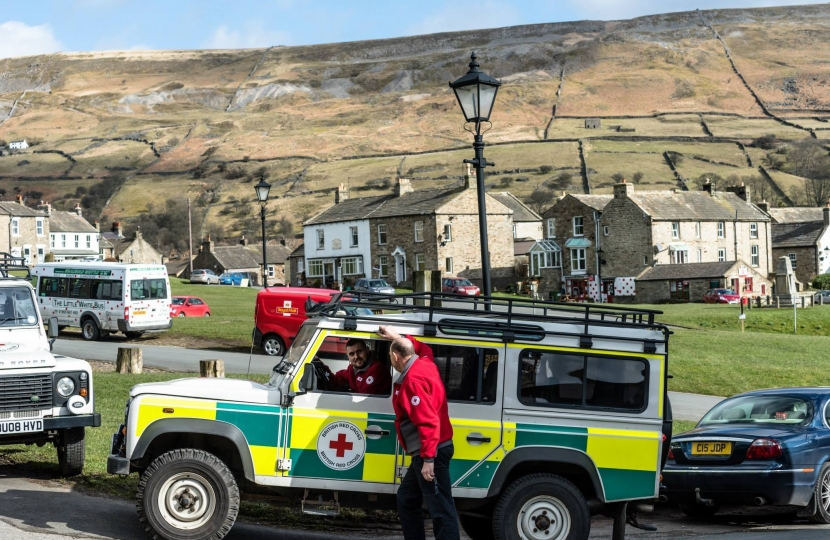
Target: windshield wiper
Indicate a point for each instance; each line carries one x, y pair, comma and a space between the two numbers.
282, 367
4, 321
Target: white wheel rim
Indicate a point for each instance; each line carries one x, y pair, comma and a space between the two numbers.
544, 518
186, 501
825, 491
272, 347
89, 331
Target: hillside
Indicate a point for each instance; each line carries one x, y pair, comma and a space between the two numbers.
201, 124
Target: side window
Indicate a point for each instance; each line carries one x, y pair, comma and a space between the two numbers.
78, 288
52, 286
334, 373
470, 374
569, 380
139, 289
158, 289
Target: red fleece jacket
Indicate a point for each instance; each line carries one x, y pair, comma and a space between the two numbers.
375, 380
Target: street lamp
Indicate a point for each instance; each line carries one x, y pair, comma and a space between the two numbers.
476, 93
262, 189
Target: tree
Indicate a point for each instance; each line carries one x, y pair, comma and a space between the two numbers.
713, 178
545, 169
638, 177
618, 177
766, 142
540, 200
563, 181
808, 159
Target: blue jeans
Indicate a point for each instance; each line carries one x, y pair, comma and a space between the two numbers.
415, 490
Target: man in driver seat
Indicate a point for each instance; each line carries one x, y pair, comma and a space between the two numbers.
365, 374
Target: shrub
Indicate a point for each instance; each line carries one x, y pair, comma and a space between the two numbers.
545, 169
821, 282
638, 177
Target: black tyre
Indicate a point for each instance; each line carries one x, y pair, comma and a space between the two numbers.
541, 507
273, 345
187, 494
207, 314
822, 496
698, 511
90, 330
477, 527
181, 315
133, 335
71, 445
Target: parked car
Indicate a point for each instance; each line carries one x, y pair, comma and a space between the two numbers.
822, 297
189, 306
379, 286
204, 275
721, 296
234, 278
768, 447
459, 286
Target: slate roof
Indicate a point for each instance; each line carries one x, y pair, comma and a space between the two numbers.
64, 222
521, 213
419, 202
597, 202
277, 254
686, 271
521, 247
105, 242
696, 206
796, 234
299, 252
174, 268
236, 257
796, 215
17, 209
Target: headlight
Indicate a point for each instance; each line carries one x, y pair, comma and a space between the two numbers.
66, 386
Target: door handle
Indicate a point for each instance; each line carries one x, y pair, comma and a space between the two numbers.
375, 432
477, 438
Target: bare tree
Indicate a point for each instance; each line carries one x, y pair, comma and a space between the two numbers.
808, 159
540, 200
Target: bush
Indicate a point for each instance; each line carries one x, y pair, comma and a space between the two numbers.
545, 169
767, 142
638, 177
821, 282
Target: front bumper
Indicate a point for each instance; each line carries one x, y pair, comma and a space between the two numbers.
124, 326
117, 464
63, 422
792, 487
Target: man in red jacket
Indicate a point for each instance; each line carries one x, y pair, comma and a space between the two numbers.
422, 421
365, 374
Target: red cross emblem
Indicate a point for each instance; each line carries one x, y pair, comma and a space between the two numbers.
341, 445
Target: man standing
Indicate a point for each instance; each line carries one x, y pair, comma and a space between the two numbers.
365, 374
423, 424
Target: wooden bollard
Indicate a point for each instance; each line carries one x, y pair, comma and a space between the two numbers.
212, 368
129, 360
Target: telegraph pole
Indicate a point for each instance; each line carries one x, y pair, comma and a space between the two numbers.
189, 238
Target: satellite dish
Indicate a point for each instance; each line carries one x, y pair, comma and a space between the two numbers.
658, 248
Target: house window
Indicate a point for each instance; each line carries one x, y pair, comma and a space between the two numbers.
270, 270
514, 230
792, 257
15, 226
645, 260
41, 253
675, 230
679, 290
700, 255
420, 261
382, 234
321, 239
88, 241
63, 240
353, 236
579, 230
721, 255
78, 242
351, 266
679, 257
51, 240
721, 229
551, 227
756, 259
448, 232
383, 262
39, 226
300, 266
578, 261
606, 230
747, 284
448, 265
697, 230
419, 231
753, 230
315, 268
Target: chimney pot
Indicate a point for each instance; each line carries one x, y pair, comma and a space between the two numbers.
403, 186
341, 193
623, 190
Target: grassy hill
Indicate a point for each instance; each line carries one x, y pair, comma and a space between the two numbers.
202, 124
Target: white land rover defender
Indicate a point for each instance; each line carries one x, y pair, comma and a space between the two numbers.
44, 398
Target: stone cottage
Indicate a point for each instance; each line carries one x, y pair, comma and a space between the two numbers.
803, 235
24, 231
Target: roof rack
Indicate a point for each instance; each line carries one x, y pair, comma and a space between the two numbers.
498, 317
10, 263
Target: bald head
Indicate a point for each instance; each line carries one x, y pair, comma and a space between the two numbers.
400, 351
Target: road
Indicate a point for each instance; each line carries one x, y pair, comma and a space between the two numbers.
46, 510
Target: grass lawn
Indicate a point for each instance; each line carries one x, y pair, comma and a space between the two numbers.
814, 321
231, 310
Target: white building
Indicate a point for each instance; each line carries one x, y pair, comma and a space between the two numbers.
71, 237
337, 250
18, 145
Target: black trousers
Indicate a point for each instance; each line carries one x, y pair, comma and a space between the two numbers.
415, 490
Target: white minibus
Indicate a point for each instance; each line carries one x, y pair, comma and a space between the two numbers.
101, 298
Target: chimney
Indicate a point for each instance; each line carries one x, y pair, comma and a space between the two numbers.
45, 207
96, 225
138, 232
116, 228
469, 180
19, 199
402, 187
707, 187
282, 241
623, 190
244, 241
741, 191
207, 245
764, 206
79, 210
341, 194
826, 210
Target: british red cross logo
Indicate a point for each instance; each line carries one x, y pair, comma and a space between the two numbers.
340, 445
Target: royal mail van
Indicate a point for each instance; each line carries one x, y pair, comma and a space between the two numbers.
279, 313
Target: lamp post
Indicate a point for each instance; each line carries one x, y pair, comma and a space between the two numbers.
476, 92
262, 189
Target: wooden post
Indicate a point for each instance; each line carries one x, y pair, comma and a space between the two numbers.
129, 360
759, 302
212, 368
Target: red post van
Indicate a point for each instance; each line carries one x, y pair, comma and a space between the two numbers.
279, 313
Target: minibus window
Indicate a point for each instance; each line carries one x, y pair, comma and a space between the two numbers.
139, 289
52, 286
158, 289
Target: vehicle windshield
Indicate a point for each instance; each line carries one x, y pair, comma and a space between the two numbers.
177, 301
462, 283
17, 308
378, 283
770, 409
298, 347
723, 291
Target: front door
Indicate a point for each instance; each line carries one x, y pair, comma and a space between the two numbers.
328, 273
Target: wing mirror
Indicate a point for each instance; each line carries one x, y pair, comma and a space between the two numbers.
52, 332
308, 380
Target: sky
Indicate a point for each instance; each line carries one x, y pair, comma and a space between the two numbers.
47, 26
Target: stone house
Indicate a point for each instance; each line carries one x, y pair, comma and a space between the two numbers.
135, 250
803, 235
24, 231
18, 145
593, 123
296, 267
683, 228
71, 237
527, 224
242, 258
391, 236
689, 282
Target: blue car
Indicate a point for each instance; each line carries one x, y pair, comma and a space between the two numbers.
233, 278
768, 447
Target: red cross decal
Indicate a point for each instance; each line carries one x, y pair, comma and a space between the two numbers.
341, 445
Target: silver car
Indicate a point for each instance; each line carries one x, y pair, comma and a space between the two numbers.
203, 275
378, 286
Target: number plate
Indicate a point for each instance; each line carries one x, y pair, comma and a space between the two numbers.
140, 312
711, 448
9, 427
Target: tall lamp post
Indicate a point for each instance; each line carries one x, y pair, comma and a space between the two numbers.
476, 92
262, 190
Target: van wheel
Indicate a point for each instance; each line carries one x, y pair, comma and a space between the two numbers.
187, 494
541, 507
477, 527
272, 345
133, 335
90, 330
71, 451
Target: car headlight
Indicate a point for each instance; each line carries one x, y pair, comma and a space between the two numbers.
66, 386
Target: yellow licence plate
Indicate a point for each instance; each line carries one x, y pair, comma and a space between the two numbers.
140, 312
712, 448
